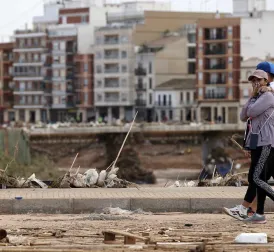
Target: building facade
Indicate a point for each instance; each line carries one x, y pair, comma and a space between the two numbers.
6, 83
84, 79
218, 69
113, 73
32, 98
175, 101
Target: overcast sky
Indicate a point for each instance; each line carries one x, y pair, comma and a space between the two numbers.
15, 13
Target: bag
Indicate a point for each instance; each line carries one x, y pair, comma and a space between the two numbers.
254, 137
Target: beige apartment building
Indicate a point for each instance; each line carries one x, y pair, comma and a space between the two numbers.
158, 63
156, 22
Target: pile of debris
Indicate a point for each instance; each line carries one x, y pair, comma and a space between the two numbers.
90, 179
238, 179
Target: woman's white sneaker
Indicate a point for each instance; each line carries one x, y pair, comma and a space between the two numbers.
238, 212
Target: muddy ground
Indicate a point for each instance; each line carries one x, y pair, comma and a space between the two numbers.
202, 232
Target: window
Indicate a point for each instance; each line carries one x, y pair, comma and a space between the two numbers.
150, 99
150, 83
230, 60
98, 40
36, 57
124, 68
201, 92
230, 29
200, 76
98, 55
98, 69
124, 54
200, 32
55, 59
85, 67
55, 45
191, 38
99, 83
55, 73
63, 100
181, 97
191, 52
62, 59
170, 115
85, 82
22, 86
55, 99
230, 44
124, 82
191, 68
86, 97
63, 45
99, 97
200, 62
150, 67
124, 39
64, 20
124, 97
245, 93
84, 19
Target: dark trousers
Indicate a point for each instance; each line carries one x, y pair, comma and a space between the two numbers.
259, 173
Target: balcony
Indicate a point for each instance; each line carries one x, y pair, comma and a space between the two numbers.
27, 74
111, 40
140, 71
7, 57
111, 83
112, 70
140, 86
220, 66
210, 95
140, 102
163, 103
215, 82
215, 51
215, 34
111, 99
111, 56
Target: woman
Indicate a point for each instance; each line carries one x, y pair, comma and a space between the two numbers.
260, 140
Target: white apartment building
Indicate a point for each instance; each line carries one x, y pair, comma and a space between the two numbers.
245, 8
175, 101
113, 72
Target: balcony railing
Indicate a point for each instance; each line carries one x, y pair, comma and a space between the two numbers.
27, 74
215, 52
111, 56
112, 70
217, 66
163, 103
140, 71
26, 46
140, 86
111, 41
111, 84
29, 89
215, 96
218, 81
7, 58
140, 102
111, 99
218, 36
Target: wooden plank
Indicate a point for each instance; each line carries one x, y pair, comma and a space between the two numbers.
118, 232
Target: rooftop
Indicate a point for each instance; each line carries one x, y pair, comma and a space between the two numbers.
187, 83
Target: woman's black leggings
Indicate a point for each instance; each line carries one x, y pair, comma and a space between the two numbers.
259, 173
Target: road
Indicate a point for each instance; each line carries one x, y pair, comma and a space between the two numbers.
79, 232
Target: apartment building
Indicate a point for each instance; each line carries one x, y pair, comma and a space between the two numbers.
158, 62
6, 84
32, 98
113, 72
156, 22
175, 101
84, 79
63, 42
218, 69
